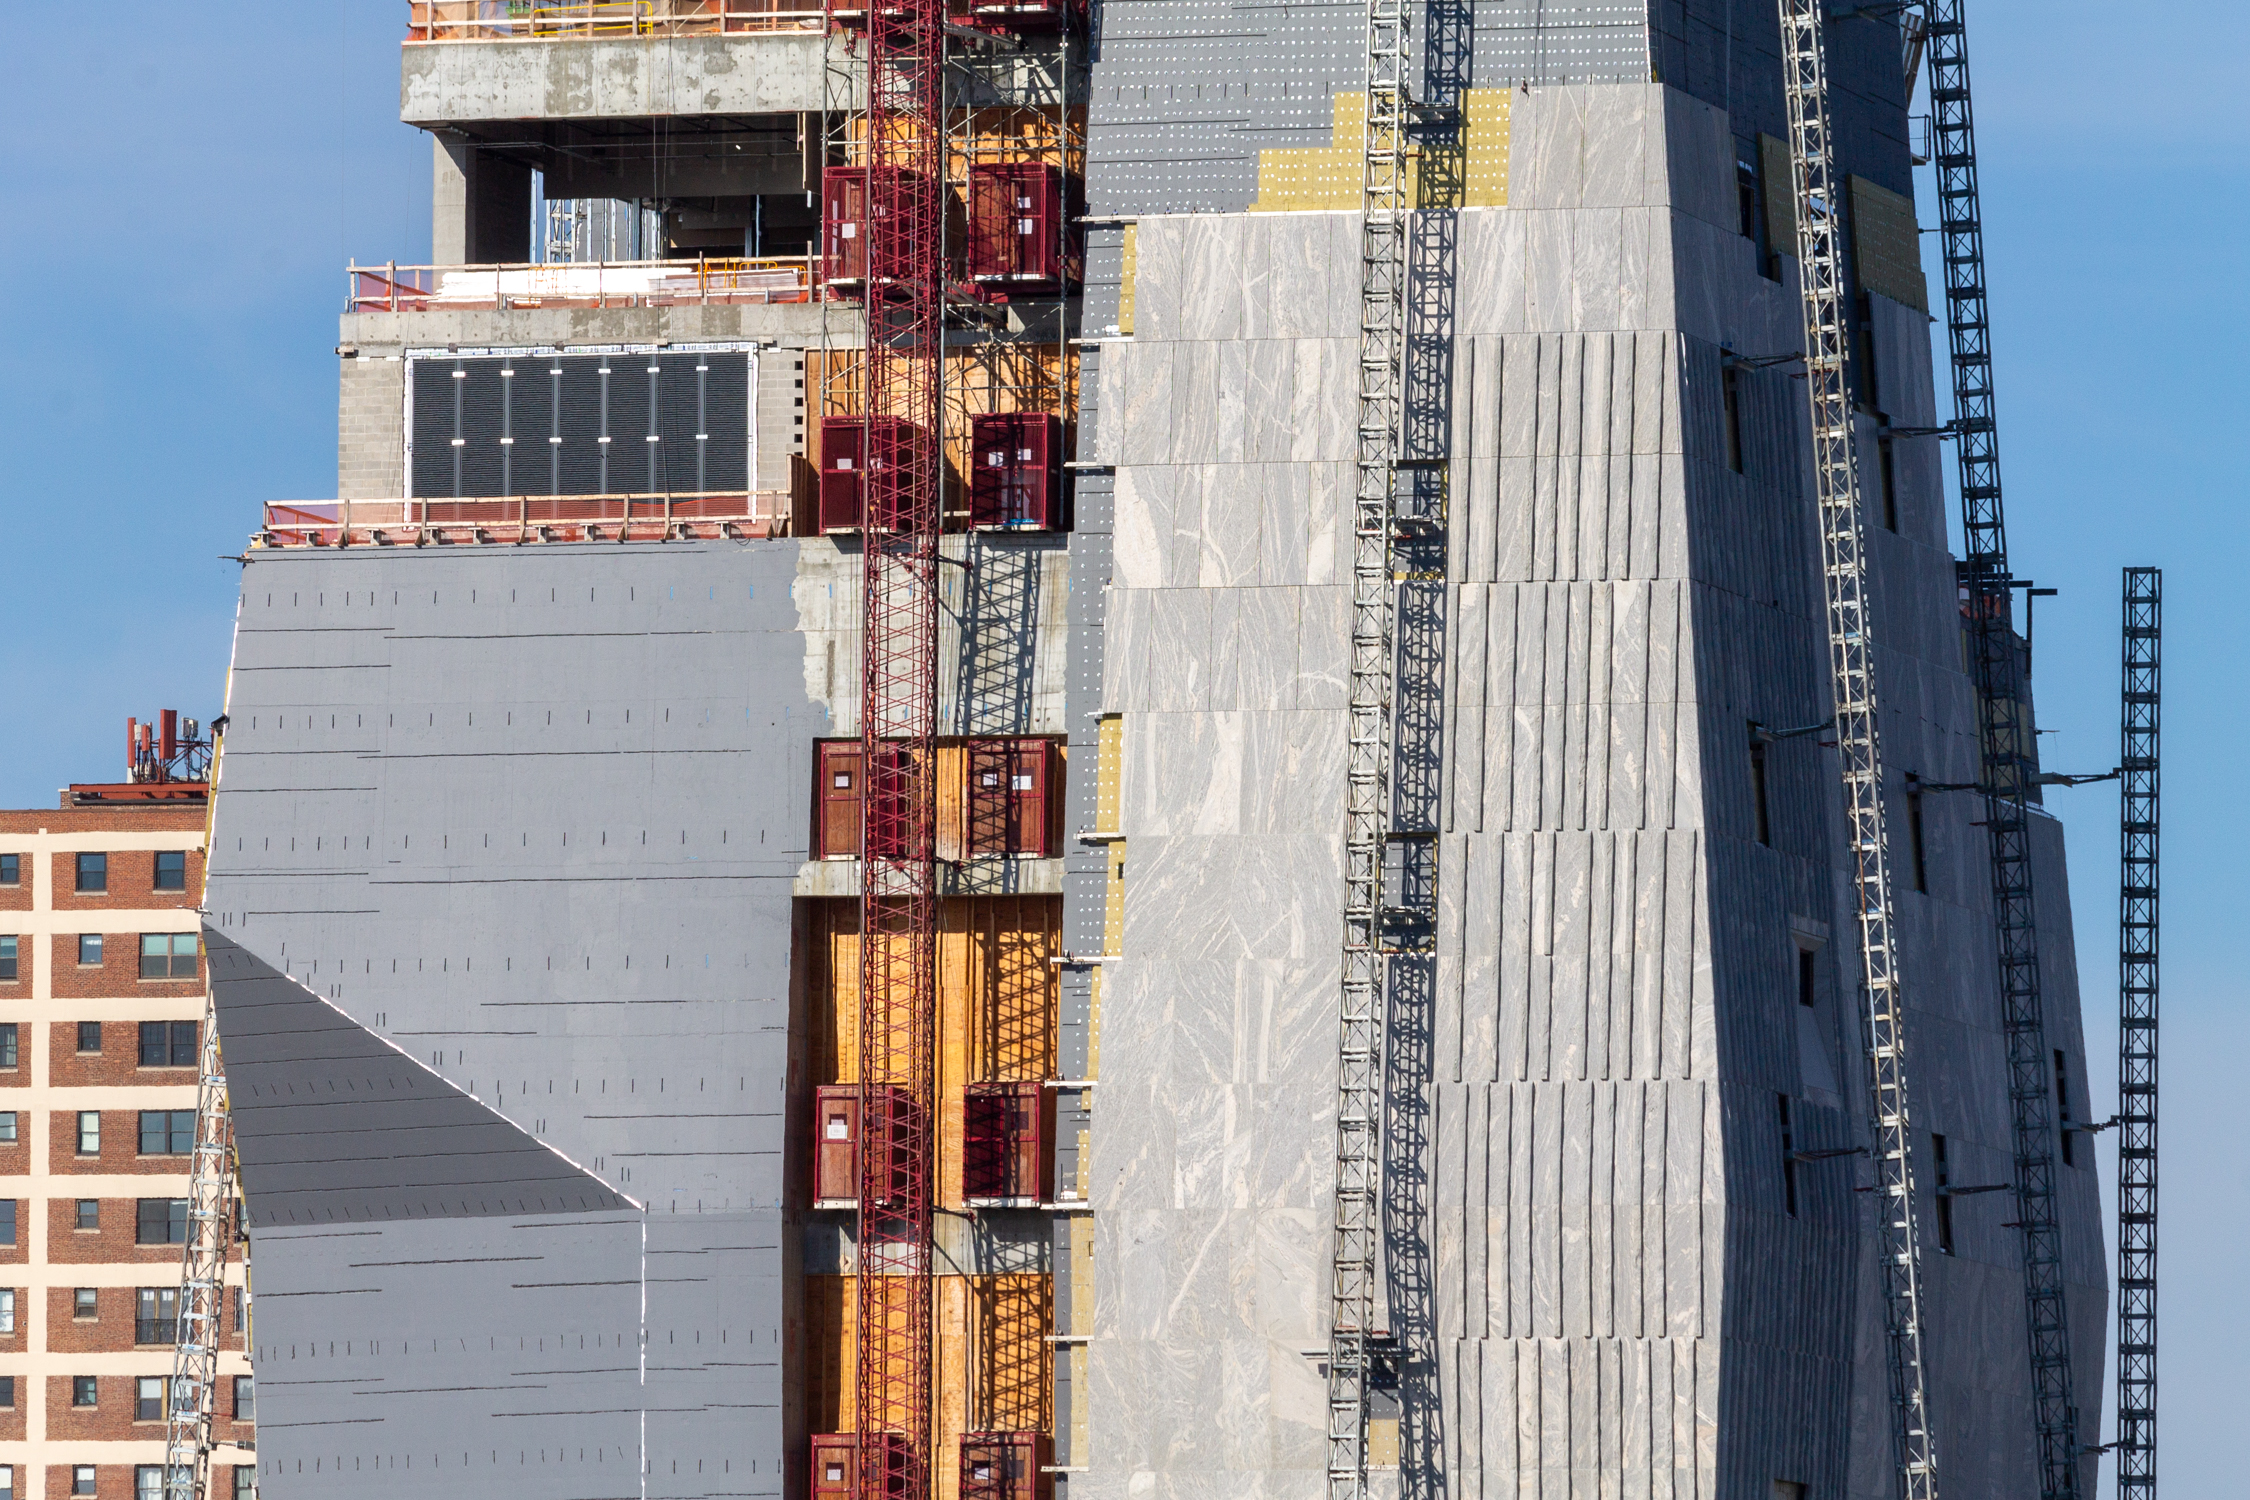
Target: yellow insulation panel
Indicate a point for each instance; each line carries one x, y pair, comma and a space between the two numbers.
1300, 179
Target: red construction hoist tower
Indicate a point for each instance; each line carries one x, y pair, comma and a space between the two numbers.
904, 302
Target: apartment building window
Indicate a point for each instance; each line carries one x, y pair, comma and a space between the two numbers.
86, 1303
245, 1483
7, 1392
89, 1036
167, 1132
7, 1221
89, 1132
156, 1315
1944, 1173
171, 869
168, 955
244, 1401
8, 1136
8, 1471
239, 1320
148, 1399
89, 947
11, 869
148, 1481
168, 1044
84, 1391
8, 1045
89, 1214
161, 1221
93, 873
7, 957
82, 1479
7, 1310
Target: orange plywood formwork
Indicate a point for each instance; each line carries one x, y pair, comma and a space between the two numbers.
997, 1003
993, 377
993, 1377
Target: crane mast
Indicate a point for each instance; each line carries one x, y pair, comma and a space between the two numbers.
2009, 765
905, 316
1858, 743
2136, 1037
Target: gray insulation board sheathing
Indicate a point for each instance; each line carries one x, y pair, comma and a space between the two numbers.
1187, 92
500, 928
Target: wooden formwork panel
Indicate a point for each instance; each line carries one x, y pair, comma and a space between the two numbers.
998, 995
993, 1368
1000, 375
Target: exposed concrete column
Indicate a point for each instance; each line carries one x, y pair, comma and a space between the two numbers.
452, 165
480, 205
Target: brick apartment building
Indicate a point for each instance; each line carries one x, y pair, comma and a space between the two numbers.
101, 998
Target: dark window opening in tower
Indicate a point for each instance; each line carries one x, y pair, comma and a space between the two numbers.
2062, 1110
1758, 791
1788, 1157
1944, 1194
1808, 975
1883, 458
1730, 386
1916, 847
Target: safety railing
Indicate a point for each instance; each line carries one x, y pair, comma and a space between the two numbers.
524, 20
646, 283
524, 520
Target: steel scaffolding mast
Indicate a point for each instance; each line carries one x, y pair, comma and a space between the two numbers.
1858, 742
1367, 798
192, 1400
905, 313
2136, 1037
2009, 763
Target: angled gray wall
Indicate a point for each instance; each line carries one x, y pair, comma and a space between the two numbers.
500, 914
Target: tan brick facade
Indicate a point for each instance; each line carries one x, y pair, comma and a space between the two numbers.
44, 1436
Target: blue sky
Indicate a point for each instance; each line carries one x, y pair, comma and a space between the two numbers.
171, 269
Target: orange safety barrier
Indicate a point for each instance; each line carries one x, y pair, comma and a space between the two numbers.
525, 20
521, 520
639, 283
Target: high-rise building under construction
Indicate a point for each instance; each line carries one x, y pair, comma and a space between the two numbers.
886, 1026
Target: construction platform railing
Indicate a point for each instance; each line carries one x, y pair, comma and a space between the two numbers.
523, 21
523, 520
579, 284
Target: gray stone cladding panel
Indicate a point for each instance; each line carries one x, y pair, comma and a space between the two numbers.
1618, 1282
